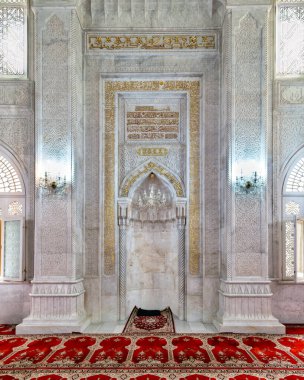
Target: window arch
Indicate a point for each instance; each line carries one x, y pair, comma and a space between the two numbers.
293, 217
12, 205
9, 179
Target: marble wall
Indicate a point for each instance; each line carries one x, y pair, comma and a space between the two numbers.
243, 113
17, 144
152, 268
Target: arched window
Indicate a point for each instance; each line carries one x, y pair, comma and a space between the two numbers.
9, 179
12, 207
293, 216
290, 37
13, 38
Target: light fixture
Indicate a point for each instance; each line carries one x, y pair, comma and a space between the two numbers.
53, 184
250, 184
154, 197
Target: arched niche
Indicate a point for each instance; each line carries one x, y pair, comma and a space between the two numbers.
152, 245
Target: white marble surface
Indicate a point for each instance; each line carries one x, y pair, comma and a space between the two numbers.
14, 301
152, 268
288, 302
180, 327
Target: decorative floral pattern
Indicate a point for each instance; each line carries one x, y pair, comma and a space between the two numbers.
161, 323
150, 323
152, 357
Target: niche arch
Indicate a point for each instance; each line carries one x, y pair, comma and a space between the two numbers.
157, 196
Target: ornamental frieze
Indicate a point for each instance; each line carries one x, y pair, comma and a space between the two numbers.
151, 42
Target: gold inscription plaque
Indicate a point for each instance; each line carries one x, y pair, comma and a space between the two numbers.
149, 42
152, 123
152, 151
192, 88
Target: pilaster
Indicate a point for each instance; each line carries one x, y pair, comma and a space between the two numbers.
244, 292
57, 298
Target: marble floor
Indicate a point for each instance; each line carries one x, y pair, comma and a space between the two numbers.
180, 327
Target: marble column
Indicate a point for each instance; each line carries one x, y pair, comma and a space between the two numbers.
181, 231
245, 294
123, 225
57, 296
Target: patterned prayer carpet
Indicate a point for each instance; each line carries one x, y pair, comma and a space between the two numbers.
152, 357
162, 323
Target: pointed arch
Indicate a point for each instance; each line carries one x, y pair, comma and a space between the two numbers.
145, 169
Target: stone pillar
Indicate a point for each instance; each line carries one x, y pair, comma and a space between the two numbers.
123, 225
244, 294
181, 229
57, 297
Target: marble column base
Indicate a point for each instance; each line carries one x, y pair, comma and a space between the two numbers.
246, 308
56, 307
272, 326
52, 327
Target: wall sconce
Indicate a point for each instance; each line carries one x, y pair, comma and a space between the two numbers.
251, 184
53, 184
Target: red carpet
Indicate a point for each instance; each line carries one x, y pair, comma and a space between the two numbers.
152, 357
295, 329
7, 329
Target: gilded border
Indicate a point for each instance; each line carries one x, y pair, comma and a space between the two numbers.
151, 42
158, 169
193, 90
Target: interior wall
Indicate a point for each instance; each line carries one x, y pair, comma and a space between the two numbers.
17, 139
288, 139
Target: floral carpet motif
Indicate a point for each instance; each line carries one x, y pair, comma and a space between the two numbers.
162, 323
152, 357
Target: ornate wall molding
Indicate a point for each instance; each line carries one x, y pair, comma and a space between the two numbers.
59, 289
111, 89
164, 42
241, 289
